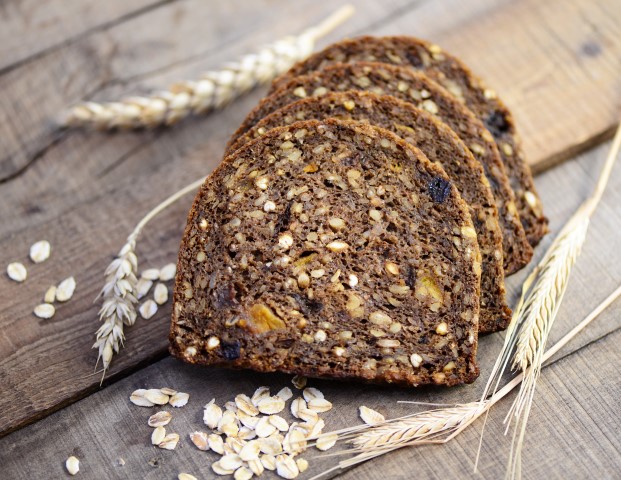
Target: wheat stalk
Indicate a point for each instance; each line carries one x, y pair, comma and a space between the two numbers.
119, 290
537, 312
439, 426
212, 90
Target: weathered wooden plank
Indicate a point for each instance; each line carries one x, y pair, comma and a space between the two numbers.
555, 63
572, 432
30, 27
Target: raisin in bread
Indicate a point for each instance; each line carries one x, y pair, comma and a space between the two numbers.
461, 82
283, 267
418, 89
440, 145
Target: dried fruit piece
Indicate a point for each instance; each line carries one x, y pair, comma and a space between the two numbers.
72, 464
65, 289
179, 399
159, 419
16, 272
370, 416
148, 309
439, 189
40, 251
44, 310
263, 319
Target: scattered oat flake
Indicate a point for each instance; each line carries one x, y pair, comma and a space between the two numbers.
168, 272
285, 394
120, 462
142, 287
250, 451
295, 442
259, 394
179, 399
286, 467
371, 417
271, 405
44, 310
137, 398
230, 462
264, 428
216, 443
168, 391
299, 382
245, 405
246, 433
242, 473
309, 393
40, 251
16, 272
327, 441
154, 395
212, 415
73, 465
170, 441
268, 461
218, 469
256, 467
50, 294
151, 274
199, 439
160, 294
186, 476
319, 405
159, 419
65, 289
302, 464
158, 435
279, 422
297, 405
308, 415
148, 309
270, 446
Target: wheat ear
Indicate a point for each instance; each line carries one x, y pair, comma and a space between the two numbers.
119, 290
439, 425
212, 90
537, 312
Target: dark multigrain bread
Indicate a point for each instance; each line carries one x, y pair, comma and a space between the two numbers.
418, 89
461, 82
440, 145
282, 267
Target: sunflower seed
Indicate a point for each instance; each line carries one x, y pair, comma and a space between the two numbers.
170, 441
268, 461
279, 422
327, 441
299, 382
44, 310
309, 393
302, 464
320, 405
158, 435
40, 251
297, 405
151, 274
286, 467
259, 394
245, 405
264, 428
250, 451
199, 439
212, 415
271, 405
160, 294
16, 271
295, 442
154, 395
168, 272
179, 399
270, 446
137, 398
50, 294
216, 443
371, 417
186, 476
256, 467
168, 391
73, 465
65, 289
148, 309
217, 467
231, 462
242, 473
285, 393
159, 419
142, 287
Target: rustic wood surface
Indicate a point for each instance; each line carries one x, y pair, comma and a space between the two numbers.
555, 63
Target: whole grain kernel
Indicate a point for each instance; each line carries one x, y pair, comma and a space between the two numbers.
375, 215
261, 182
336, 223
395, 327
318, 273
349, 105
352, 280
201, 256
379, 318
442, 328
388, 343
45, 310
337, 246
40, 251
339, 351
269, 206
300, 92
285, 241
303, 280
213, 342
320, 336
392, 268
72, 464
416, 360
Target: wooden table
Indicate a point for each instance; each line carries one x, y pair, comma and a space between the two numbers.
556, 64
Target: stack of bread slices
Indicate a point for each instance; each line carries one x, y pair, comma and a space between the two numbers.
361, 224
